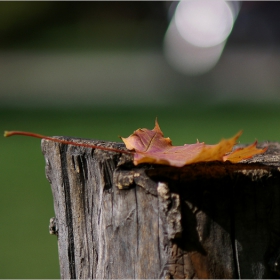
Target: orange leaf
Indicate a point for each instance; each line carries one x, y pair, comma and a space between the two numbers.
244, 153
151, 147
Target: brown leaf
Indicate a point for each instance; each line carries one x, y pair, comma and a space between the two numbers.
151, 147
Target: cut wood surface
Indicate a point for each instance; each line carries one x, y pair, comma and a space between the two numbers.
206, 220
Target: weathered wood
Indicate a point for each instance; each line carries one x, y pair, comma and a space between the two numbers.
207, 220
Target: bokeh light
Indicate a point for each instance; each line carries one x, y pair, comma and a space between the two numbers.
204, 23
197, 34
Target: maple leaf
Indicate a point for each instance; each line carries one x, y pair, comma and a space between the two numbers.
244, 153
150, 146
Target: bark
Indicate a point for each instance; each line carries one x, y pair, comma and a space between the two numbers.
207, 220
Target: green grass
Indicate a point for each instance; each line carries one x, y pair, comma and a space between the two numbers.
27, 249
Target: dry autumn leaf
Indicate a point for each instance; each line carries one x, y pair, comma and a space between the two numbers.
150, 146
244, 153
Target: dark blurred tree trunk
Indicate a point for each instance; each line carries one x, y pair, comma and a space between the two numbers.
207, 220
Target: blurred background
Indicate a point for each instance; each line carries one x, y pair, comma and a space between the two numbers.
103, 69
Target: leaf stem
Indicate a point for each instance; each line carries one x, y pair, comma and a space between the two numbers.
31, 134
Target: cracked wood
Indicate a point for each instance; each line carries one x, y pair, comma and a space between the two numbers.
206, 220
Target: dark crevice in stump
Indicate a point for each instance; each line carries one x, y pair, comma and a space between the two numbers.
68, 206
206, 220
232, 233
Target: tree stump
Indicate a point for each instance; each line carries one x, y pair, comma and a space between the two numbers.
206, 220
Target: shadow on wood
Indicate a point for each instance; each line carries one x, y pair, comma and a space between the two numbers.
207, 220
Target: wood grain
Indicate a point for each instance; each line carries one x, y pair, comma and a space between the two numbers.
207, 220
